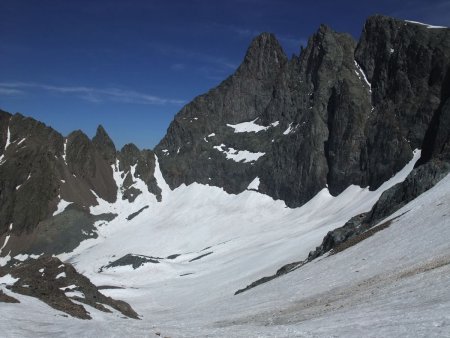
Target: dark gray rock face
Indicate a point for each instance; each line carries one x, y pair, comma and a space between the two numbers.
437, 139
341, 113
143, 163
39, 167
418, 181
324, 100
104, 145
28, 168
85, 162
408, 67
187, 152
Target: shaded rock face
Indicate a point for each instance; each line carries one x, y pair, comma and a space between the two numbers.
186, 153
323, 100
408, 67
39, 167
135, 163
341, 113
28, 172
58, 234
85, 162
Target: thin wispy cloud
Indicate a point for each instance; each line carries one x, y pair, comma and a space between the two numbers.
90, 94
200, 57
9, 91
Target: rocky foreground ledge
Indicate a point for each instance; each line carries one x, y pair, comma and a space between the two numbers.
59, 285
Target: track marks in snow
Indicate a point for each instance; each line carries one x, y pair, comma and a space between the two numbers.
341, 299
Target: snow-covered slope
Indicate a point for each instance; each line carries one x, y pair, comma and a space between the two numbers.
393, 282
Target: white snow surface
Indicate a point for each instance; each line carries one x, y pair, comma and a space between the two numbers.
5, 259
65, 152
62, 205
75, 294
5, 242
250, 127
61, 275
239, 155
24, 257
288, 130
21, 141
8, 280
394, 283
254, 185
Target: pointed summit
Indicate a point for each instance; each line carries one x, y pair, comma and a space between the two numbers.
264, 57
104, 145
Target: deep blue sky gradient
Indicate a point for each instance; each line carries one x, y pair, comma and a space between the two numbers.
131, 65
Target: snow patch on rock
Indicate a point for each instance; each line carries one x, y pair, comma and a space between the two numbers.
254, 185
239, 155
62, 205
250, 127
425, 24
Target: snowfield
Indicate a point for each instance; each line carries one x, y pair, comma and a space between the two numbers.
394, 283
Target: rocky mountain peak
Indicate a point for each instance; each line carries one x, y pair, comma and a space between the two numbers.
86, 162
104, 145
264, 57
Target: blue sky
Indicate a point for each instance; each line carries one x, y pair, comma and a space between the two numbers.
131, 65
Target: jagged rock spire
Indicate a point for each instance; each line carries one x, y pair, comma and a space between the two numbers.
104, 145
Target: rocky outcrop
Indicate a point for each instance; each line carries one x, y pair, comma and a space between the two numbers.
418, 181
58, 284
362, 226
4, 298
131, 260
